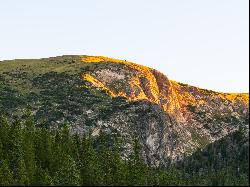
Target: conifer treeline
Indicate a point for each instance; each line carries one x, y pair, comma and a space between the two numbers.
36, 156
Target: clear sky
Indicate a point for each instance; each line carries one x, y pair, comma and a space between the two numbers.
204, 43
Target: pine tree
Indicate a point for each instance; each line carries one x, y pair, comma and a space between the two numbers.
68, 173
28, 147
90, 170
137, 170
104, 157
42, 177
4, 137
56, 154
21, 175
43, 140
118, 168
16, 153
6, 175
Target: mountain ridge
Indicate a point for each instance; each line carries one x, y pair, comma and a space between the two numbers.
114, 60
100, 93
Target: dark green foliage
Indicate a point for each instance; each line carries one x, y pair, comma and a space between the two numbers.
225, 162
6, 175
191, 108
10, 98
30, 155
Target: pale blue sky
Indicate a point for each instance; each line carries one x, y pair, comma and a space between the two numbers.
204, 43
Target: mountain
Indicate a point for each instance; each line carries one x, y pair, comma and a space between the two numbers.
95, 93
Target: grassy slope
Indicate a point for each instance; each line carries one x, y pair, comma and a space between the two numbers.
19, 73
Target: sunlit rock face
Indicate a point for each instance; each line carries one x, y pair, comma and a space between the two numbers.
189, 117
94, 93
133, 81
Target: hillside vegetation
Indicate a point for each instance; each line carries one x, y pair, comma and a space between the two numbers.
177, 126
30, 155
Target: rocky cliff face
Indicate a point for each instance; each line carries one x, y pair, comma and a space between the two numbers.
186, 117
102, 94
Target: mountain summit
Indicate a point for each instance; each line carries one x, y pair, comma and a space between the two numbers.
95, 93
